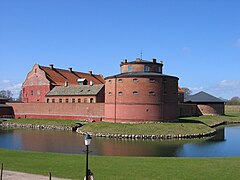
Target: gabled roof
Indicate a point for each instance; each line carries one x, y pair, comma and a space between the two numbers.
203, 97
59, 77
81, 90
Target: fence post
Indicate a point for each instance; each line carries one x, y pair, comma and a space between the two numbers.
50, 176
1, 172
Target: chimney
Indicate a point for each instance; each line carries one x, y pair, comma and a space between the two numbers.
91, 83
51, 66
138, 59
154, 60
70, 69
161, 61
125, 60
66, 84
90, 72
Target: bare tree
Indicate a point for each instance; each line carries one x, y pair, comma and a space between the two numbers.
6, 94
187, 91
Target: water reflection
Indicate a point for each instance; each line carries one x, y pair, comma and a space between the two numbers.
223, 144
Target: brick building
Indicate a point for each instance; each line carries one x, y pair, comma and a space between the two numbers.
206, 104
141, 93
41, 80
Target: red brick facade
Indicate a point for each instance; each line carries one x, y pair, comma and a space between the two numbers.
41, 80
71, 111
141, 94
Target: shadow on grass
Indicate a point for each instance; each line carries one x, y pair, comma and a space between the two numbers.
188, 121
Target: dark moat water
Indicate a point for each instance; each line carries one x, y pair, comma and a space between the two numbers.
225, 143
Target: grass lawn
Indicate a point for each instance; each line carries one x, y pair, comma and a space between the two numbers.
45, 122
211, 120
120, 168
147, 129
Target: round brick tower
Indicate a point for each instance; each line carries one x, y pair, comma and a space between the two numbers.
141, 93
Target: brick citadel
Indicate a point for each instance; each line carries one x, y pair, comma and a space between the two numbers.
140, 93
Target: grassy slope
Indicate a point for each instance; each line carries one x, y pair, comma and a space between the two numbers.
73, 166
45, 122
147, 129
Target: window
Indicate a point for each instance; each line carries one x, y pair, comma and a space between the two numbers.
135, 80
79, 100
40, 82
31, 82
47, 100
38, 92
120, 80
53, 100
120, 93
110, 81
66, 100
146, 68
85, 100
109, 93
151, 93
129, 68
135, 92
91, 100
151, 80
31, 92
160, 69
60, 100
73, 100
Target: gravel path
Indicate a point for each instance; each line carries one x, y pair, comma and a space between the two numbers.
13, 175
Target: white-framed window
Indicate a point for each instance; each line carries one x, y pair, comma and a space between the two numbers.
135, 92
146, 68
120, 93
129, 68
135, 80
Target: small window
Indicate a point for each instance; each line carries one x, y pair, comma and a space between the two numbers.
91, 100
31, 82
110, 81
151, 93
40, 82
35, 71
73, 100
146, 68
120, 93
85, 100
109, 93
135, 80
160, 69
31, 92
120, 80
151, 80
88, 90
79, 100
53, 100
60, 100
66, 100
47, 100
38, 92
135, 92
129, 68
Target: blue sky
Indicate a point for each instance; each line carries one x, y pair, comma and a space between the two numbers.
198, 40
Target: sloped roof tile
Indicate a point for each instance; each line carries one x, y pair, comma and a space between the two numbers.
203, 97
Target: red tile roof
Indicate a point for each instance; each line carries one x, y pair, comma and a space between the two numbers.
180, 90
59, 77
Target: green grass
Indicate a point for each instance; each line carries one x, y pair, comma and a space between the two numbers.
121, 168
45, 122
212, 120
146, 129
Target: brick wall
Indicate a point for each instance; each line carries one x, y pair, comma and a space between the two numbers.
77, 111
211, 108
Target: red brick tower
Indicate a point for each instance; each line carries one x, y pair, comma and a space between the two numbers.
141, 93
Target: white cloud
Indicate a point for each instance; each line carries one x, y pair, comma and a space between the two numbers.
13, 87
225, 89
